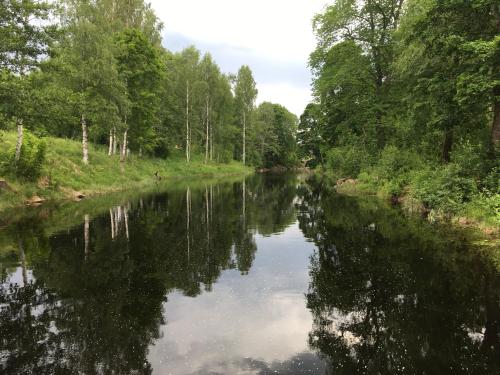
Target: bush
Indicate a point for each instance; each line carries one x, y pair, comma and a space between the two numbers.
443, 188
490, 184
394, 162
347, 161
392, 169
470, 158
29, 166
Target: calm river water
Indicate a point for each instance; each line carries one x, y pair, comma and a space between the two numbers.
267, 275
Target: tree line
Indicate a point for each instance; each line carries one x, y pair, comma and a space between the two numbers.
96, 70
407, 98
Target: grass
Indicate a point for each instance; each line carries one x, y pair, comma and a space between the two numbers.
480, 212
64, 173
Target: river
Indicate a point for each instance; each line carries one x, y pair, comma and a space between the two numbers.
271, 274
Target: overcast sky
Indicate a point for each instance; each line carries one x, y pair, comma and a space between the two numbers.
273, 37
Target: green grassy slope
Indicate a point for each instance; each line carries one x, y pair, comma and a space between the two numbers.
64, 173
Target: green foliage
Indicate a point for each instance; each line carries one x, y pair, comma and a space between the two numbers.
139, 66
442, 188
347, 161
21, 40
394, 161
30, 164
485, 207
64, 170
273, 137
403, 98
471, 158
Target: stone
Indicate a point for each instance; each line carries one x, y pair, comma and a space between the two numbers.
35, 200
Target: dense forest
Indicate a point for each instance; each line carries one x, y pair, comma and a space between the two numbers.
97, 71
407, 100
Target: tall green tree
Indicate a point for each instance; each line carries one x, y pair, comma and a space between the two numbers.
24, 37
245, 93
85, 67
139, 66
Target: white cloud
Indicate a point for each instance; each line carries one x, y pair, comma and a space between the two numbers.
276, 32
259, 317
295, 97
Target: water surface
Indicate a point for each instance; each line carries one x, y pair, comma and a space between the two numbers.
263, 275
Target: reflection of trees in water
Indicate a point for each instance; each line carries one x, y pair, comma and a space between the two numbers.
95, 302
392, 296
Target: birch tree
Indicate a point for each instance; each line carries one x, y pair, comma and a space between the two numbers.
24, 38
245, 94
186, 68
139, 66
85, 67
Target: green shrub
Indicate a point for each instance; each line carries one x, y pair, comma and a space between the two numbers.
392, 169
443, 188
394, 161
226, 155
29, 166
486, 207
490, 184
470, 158
347, 161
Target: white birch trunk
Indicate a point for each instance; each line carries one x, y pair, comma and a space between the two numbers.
115, 142
211, 142
20, 135
110, 148
123, 153
85, 141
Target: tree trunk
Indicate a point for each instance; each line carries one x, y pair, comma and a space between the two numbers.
19, 143
207, 140
187, 122
115, 142
211, 142
244, 137
447, 145
85, 143
110, 148
123, 154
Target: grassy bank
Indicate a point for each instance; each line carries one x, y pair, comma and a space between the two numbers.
435, 201
63, 173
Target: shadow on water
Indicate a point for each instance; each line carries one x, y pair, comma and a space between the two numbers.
84, 287
392, 295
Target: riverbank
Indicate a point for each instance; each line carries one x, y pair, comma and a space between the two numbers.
64, 176
473, 214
